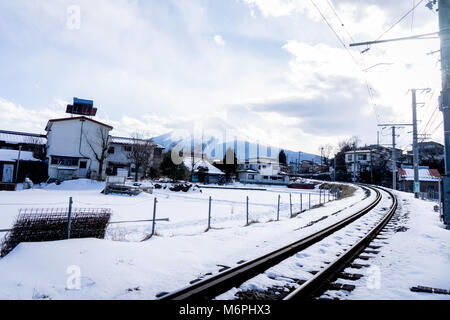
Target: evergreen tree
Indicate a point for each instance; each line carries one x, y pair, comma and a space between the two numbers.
282, 157
172, 170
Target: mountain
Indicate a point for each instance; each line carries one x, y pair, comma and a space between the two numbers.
216, 149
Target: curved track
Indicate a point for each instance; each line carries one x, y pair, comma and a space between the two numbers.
215, 285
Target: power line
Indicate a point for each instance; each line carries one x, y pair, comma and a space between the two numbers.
340, 20
399, 20
349, 52
335, 33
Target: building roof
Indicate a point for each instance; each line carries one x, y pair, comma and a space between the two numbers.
198, 163
407, 174
49, 124
130, 141
12, 155
13, 137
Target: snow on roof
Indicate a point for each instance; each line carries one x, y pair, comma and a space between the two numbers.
129, 141
12, 155
12, 137
407, 174
198, 162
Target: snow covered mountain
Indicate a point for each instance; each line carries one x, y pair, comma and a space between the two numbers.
215, 148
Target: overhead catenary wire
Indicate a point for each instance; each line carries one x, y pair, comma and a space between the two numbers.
399, 20
361, 68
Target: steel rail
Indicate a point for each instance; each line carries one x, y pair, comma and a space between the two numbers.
321, 281
215, 285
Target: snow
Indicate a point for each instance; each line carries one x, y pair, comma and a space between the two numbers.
417, 256
16, 138
200, 163
12, 155
122, 267
424, 175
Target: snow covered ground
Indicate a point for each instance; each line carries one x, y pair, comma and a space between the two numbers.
182, 251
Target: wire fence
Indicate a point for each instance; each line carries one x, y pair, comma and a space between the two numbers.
298, 203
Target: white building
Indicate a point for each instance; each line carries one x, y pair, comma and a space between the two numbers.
119, 155
262, 170
73, 146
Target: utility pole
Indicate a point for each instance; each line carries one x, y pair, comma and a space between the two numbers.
415, 144
415, 150
394, 161
444, 99
394, 152
18, 163
299, 162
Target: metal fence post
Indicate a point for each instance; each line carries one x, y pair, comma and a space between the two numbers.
154, 217
290, 204
310, 201
209, 214
69, 218
301, 202
278, 209
247, 211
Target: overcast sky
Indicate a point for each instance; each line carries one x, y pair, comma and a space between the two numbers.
272, 70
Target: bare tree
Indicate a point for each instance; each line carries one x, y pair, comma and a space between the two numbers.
140, 154
37, 147
325, 152
99, 145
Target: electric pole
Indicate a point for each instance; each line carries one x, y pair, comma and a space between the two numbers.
394, 151
415, 144
394, 161
444, 33
415, 150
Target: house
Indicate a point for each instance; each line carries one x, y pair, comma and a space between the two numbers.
429, 179
363, 160
13, 140
75, 147
20, 164
429, 150
203, 171
118, 159
262, 170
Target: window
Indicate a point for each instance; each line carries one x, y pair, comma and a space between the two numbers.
83, 164
274, 178
266, 177
251, 177
349, 157
111, 150
127, 148
362, 157
64, 161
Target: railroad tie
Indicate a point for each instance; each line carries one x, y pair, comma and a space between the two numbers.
429, 290
350, 276
342, 286
359, 266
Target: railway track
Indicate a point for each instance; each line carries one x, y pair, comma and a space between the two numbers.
215, 285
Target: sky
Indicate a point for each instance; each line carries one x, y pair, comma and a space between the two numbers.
273, 71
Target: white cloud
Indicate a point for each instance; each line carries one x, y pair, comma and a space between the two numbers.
219, 40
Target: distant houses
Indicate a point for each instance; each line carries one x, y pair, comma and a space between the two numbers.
21, 156
263, 170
